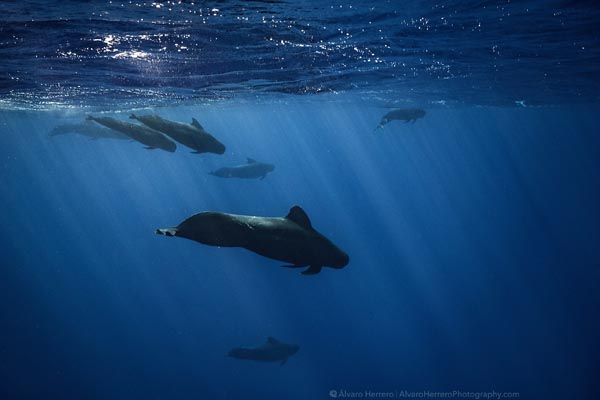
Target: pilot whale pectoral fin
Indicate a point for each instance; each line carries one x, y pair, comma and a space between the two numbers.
250, 160
312, 270
263, 177
166, 231
293, 266
283, 361
196, 124
299, 216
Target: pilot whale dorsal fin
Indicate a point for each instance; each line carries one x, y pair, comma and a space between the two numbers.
250, 160
272, 340
196, 124
298, 215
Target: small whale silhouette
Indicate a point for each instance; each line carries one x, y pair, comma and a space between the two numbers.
252, 169
271, 351
406, 115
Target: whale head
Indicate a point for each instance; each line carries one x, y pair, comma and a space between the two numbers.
170, 146
324, 251
214, 146
293, 349
419, 113
269, 167
338, 258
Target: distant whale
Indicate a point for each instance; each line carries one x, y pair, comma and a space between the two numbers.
252, 169
150, 138
291, 239
88, 129
406, 115
271, 351
193, 135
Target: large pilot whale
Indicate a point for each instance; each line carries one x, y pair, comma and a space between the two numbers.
271, 351
88, 129
252, 169
290, 239
147, 136
406, 115
193, 135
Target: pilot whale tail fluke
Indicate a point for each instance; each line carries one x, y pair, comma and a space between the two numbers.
166, 231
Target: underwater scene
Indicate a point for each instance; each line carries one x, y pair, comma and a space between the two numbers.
299, 199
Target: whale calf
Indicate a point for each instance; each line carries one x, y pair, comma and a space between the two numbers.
193, 135
271, 351
149, 137
290, 239
406, 115
252, 169
88, 129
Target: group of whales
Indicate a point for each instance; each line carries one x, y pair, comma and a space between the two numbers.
290, 239
157, 132
193, 135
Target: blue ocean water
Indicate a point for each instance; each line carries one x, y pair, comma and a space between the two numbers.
473, 233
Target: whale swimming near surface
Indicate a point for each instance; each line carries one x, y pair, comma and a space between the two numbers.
271, 351
252, 169
88, 129
290, 239
193, 135
147, 136
406, 115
